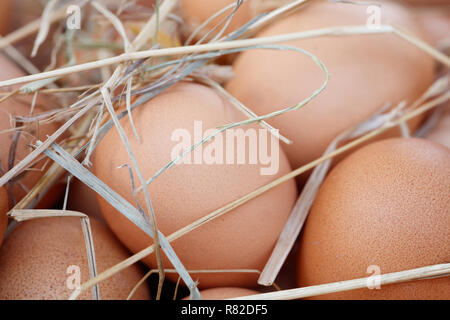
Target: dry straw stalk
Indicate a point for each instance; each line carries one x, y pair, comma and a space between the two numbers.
439, 270
234, 44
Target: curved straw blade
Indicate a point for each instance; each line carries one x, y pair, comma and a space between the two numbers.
201, 48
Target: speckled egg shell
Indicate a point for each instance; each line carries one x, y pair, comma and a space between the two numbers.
366, 73
384, 208
241, 239
35, 258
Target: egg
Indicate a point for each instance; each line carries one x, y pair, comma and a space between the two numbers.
436, 23
195, 12
5, 11
45, 259
21, 106
241, 239
440, 133
426, 2
146, 3
83, 199
3, 211
366, 72
383, 209
225, 293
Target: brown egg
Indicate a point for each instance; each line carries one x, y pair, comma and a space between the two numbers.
83, 199
224, 293
21, 106
42, 258
441, 131
195, 12
436, 23
385, 208
5, 12
3, 210
146, 3
9, 69
366, 72
426, 2
241, 239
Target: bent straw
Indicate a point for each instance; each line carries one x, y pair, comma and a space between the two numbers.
18, 168
234, 44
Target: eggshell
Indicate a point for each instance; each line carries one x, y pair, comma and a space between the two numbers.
426, 2
195, 12
83, 199
3, 211
224, 293
366, 72
385, 208
436, 23
241, 239
5, 12
147, 3
20, 106
441, 131
9, 69
35, 261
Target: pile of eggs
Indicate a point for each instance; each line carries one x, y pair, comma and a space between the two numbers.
385, 203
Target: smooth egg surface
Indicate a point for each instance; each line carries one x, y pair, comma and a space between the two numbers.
366, 73
383, 209
241, 239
